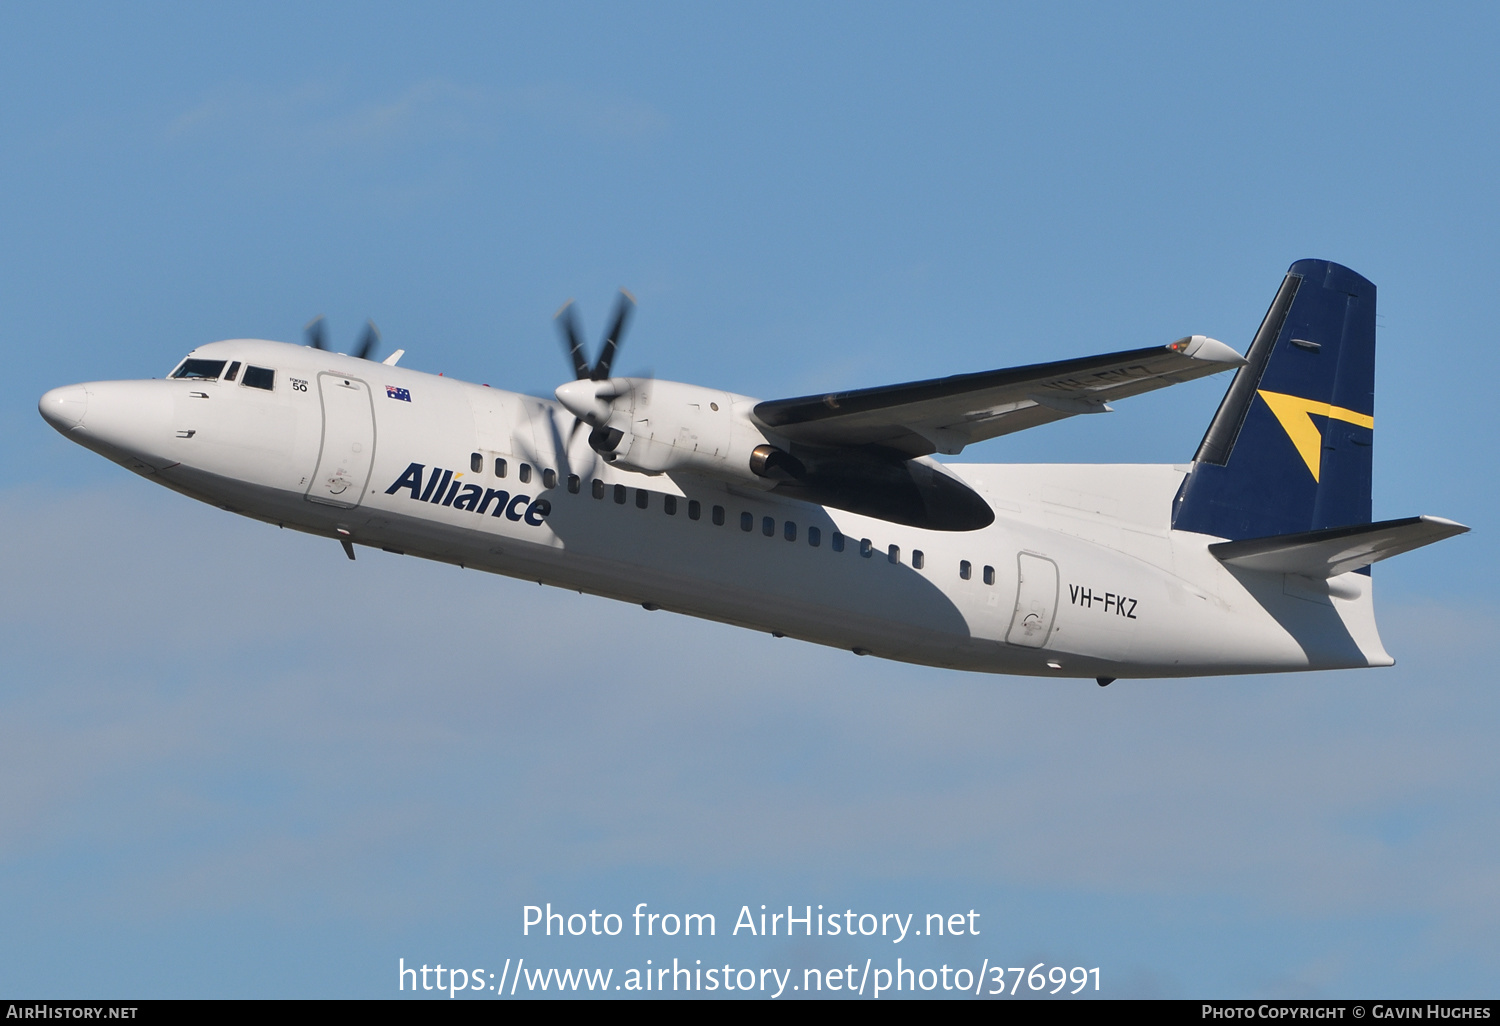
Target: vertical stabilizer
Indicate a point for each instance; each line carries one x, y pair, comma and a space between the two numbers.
1290, 447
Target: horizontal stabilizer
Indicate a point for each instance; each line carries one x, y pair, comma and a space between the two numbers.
1335, 550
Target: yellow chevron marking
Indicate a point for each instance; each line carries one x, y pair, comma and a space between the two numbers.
1296, 417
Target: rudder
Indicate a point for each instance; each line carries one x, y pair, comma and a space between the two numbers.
1290, 448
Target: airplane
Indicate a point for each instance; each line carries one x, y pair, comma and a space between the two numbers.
825, 517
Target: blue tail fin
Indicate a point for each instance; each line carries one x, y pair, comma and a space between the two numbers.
1290, 448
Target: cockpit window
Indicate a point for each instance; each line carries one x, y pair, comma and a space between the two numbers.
209, 369
259, 377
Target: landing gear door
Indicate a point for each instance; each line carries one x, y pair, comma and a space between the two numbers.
348, 442
1036, 601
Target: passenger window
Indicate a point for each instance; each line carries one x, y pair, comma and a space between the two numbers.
574, 484
642, 498
894, 554
597, 488
207, 369
865, 548
695, 509
747, 522
989, 575
814, 537
836, 543
234, 368
619, 495
964, 569
917, 559
259, 377
789, 532
549, 478
476, 462
524, 473
669, 505
718, 516
499, 467
768, 526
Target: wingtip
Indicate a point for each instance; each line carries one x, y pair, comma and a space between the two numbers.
1453, 526
1201, 347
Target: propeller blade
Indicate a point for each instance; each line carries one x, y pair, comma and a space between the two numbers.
623, 306
368, 341
567, 323
316, 331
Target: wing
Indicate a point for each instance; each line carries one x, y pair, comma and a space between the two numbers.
946, 414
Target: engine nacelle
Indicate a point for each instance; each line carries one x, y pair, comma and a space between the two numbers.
659, 427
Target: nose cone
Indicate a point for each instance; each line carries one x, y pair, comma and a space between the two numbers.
64, 408
125, 421
587, 400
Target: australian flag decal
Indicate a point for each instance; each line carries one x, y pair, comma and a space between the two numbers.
392, 392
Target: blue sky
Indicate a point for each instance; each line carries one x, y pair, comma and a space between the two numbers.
232, 763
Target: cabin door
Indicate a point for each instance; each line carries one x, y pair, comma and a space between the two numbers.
1036, 601
348, 442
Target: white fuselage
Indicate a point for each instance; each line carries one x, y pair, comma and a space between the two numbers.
1080, 575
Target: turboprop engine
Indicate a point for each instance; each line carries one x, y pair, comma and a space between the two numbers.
658, 427
662, 427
